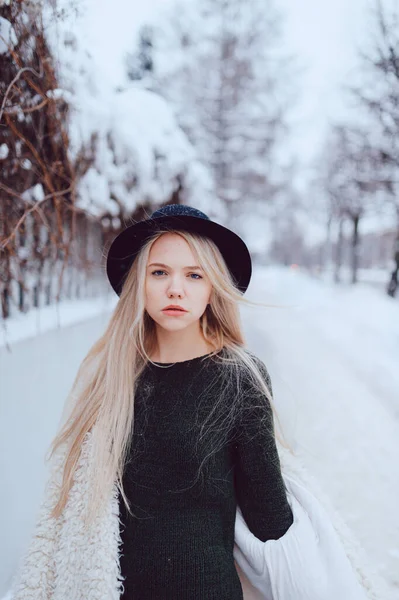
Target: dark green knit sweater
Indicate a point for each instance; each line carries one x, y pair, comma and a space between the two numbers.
179, 545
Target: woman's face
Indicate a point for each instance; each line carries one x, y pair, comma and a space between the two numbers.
171, 279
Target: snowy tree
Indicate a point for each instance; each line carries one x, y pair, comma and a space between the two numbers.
378, 93
346, 175
37, 177
218, 62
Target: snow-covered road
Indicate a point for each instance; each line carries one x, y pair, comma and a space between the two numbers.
333, 357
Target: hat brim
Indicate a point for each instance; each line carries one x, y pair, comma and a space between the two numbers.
128, 243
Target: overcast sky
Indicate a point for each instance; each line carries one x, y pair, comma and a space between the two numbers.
326, 37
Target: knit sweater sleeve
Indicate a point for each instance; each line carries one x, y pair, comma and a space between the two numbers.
259, 485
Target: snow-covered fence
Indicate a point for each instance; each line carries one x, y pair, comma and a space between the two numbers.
37, 272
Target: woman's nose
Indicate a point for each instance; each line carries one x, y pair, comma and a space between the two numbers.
173, 291
176, 288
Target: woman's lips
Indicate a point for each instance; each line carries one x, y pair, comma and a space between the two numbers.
174, 312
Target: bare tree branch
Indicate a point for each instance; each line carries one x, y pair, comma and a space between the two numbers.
17, 76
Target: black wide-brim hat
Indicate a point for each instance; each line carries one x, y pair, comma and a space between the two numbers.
127, 244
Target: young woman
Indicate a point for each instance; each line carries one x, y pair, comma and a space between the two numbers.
179, 416
203, 427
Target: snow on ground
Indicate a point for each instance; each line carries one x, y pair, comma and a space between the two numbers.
332, 353
46, 318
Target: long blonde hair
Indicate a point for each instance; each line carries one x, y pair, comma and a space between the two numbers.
101, 399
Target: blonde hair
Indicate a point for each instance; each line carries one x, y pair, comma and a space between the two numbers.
101, 399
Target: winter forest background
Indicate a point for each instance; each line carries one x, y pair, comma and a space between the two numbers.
204, 106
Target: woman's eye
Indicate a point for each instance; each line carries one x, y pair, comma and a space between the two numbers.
161, 271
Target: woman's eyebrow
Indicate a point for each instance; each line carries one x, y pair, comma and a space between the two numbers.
158, 264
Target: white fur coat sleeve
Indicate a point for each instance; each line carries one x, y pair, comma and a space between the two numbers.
63, 561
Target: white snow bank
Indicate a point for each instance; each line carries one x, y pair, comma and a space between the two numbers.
39, 320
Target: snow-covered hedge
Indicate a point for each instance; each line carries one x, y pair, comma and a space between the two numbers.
138, 153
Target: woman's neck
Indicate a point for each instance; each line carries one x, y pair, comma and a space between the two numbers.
166, 355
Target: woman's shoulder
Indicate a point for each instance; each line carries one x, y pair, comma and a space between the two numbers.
260, 365
255, 412
243, 370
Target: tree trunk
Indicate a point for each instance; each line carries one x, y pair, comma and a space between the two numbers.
393, 283
338, 252
325, 252
355, 247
